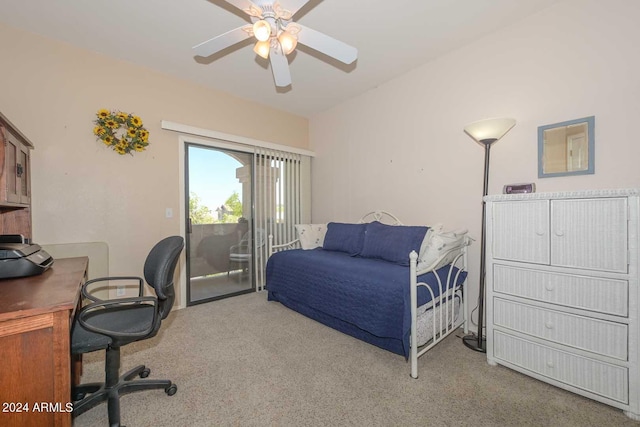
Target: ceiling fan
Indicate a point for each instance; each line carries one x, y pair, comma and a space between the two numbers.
277, 36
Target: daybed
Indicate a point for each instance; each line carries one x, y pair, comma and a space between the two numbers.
397, 287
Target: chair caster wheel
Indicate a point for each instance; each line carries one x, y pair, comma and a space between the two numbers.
145, 373
171, 390
78, 396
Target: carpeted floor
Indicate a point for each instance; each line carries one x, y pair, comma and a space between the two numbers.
244, 361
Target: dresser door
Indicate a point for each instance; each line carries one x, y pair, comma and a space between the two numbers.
521, 231
590, 234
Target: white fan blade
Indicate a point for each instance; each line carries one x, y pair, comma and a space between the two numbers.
280, 67
244, 5
293, 5
223, 41
327, 45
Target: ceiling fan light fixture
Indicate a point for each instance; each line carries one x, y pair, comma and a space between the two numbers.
262, 49
288, 42
276, 36
262, 30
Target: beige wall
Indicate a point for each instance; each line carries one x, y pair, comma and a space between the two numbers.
401, 146
84, 192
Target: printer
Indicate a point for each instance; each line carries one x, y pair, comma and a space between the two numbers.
21, 259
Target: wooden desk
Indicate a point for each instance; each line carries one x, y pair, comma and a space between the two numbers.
36, 315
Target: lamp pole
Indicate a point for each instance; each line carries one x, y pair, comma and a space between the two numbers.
478, 342
486, 132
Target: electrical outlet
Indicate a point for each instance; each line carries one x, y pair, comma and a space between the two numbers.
120, 291
168, 213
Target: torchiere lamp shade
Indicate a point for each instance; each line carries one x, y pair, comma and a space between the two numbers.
489, 130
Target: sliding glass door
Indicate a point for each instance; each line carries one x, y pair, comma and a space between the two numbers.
237, 197
220, 241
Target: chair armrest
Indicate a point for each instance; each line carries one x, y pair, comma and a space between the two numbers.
86, 310
239, 248
88, 294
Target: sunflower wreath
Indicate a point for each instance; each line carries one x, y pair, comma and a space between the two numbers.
122, 132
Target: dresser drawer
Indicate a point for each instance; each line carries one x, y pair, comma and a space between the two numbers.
587, 374
590, 293
563, 328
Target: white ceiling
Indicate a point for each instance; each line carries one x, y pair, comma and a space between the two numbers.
392, 37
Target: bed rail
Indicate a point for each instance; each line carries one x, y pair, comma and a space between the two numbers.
445, 320
271, 248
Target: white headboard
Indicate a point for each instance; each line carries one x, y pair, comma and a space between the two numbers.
381, 216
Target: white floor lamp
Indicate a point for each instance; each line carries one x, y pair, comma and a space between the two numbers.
486, 132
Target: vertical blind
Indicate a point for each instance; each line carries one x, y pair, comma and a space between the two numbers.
281, 200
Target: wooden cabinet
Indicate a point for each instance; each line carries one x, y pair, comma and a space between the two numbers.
15, 180
36, 315
562, 291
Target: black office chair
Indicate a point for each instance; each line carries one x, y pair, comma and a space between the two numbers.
108, 325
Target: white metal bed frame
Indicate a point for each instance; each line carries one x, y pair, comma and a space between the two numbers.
445, 321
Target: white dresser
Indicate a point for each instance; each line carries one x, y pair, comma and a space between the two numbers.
562, 291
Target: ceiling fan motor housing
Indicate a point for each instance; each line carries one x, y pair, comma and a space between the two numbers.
277, 19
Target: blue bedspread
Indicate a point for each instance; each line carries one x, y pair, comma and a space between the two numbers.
368, 295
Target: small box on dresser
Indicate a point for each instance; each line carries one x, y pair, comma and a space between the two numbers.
562, 291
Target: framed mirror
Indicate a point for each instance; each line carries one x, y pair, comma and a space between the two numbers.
566, 148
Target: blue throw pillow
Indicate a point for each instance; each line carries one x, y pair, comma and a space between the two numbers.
343, 237
392, 243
